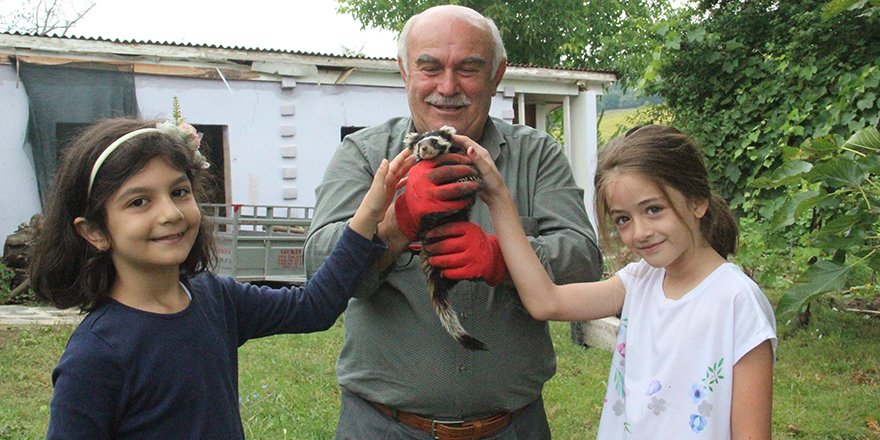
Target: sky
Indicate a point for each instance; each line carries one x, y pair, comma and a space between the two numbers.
297, 25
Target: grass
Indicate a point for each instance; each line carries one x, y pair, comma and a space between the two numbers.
826, 383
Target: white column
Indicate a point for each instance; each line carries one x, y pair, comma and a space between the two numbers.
584, 146
541, 117
567, 130
521, 108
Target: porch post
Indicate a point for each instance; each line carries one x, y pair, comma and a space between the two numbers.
584, 146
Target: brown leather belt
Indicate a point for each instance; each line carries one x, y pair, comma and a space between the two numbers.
448, 429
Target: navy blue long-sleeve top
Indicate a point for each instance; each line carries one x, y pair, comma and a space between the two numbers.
131, 374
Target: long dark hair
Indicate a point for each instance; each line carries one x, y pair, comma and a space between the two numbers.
671, 159
65, 269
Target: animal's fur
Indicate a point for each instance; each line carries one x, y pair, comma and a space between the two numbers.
426, 146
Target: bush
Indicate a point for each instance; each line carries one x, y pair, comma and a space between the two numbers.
7, 277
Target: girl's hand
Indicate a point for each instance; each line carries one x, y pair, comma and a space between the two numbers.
381, 193
493, 183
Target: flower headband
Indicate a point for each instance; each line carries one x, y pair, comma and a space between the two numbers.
178, 130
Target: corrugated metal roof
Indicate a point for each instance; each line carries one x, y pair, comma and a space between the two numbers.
276, 51
193, 45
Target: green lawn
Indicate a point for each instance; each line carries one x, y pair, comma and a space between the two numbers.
827, 384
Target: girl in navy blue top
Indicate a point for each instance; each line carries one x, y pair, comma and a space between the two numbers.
124, 239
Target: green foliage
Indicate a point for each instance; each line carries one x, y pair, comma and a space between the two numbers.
6, 276
614, 98
770, 258
598, 34
773, 90
752, 79
838, 191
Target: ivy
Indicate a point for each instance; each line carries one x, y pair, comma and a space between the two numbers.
773, 91
844, 207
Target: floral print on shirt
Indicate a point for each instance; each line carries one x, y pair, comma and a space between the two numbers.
699, 393
619, 406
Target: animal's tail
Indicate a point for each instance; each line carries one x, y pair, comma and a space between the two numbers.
438, 287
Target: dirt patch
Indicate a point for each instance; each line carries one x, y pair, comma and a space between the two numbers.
867, 377
6, 334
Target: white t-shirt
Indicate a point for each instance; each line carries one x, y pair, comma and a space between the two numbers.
672, 368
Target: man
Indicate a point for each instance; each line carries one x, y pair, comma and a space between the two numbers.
402, 375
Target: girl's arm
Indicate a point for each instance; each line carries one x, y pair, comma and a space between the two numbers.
87, 391
375, 203
752, 404
264, 311
542, 298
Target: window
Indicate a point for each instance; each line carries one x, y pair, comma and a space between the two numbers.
345, 131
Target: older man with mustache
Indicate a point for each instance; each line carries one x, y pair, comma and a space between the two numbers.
402, 376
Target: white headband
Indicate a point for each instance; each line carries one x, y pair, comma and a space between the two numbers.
184, 133
110, 149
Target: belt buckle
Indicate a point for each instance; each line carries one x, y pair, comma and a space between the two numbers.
434, 424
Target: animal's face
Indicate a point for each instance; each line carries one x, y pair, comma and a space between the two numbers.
430, 144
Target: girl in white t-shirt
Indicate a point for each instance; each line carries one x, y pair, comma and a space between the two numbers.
695, 349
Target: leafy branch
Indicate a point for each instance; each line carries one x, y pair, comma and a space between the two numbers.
843, 232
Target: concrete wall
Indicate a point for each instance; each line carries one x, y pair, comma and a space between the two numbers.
264, 120
257, 131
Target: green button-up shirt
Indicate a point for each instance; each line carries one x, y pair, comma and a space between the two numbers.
396, 352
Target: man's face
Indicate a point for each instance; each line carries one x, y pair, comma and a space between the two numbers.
450, 79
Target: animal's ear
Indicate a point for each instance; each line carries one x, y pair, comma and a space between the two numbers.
447, 131
410, 139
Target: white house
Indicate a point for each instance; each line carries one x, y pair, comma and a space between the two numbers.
273, 117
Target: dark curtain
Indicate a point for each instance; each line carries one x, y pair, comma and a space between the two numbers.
64, 99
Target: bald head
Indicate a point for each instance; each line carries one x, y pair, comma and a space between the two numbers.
439, 17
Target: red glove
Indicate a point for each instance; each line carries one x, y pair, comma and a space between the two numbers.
463, 251
433, 187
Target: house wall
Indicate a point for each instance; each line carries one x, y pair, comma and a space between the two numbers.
257, 132
260, 132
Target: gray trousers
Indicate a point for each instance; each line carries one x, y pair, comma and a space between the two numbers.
358, 420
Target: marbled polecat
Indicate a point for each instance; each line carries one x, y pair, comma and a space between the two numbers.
427, 146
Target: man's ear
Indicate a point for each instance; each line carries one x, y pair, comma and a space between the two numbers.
499, 74
91, 234
402, 70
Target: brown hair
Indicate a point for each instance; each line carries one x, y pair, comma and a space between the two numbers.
65, 269
671, 159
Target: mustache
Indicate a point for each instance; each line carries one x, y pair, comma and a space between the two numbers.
458, 100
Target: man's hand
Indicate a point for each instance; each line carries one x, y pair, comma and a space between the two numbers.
463, 251
434, 187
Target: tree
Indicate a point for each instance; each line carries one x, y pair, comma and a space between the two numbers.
784, 96
594, 34
837, 186
44, 17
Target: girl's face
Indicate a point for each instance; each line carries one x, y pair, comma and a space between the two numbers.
663, 232
153, 220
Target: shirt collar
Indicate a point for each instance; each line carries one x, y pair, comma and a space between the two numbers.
492, 140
